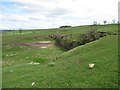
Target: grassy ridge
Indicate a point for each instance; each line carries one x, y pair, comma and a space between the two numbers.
31, 35
70, 68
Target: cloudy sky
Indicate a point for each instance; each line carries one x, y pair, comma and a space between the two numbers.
15, 14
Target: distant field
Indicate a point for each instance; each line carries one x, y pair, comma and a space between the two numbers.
26, 60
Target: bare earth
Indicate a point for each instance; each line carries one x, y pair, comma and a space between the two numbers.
42, 44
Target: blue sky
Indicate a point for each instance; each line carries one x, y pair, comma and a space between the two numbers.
15, 14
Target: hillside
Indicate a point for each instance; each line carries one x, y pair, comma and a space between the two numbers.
57, 68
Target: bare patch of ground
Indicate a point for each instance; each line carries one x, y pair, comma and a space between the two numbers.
41, 44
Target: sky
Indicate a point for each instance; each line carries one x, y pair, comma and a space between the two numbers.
42, 14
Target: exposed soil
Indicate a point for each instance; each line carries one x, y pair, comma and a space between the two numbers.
41, 44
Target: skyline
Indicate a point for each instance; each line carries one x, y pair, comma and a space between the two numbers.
42, 14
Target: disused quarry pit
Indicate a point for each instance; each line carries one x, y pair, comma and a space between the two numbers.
41, 44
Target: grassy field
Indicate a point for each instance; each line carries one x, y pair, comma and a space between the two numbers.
56, 67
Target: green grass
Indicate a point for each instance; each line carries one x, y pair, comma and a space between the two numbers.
0, 60
59, 68
15, 37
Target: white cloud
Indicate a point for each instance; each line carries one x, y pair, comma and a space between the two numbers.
53, 13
